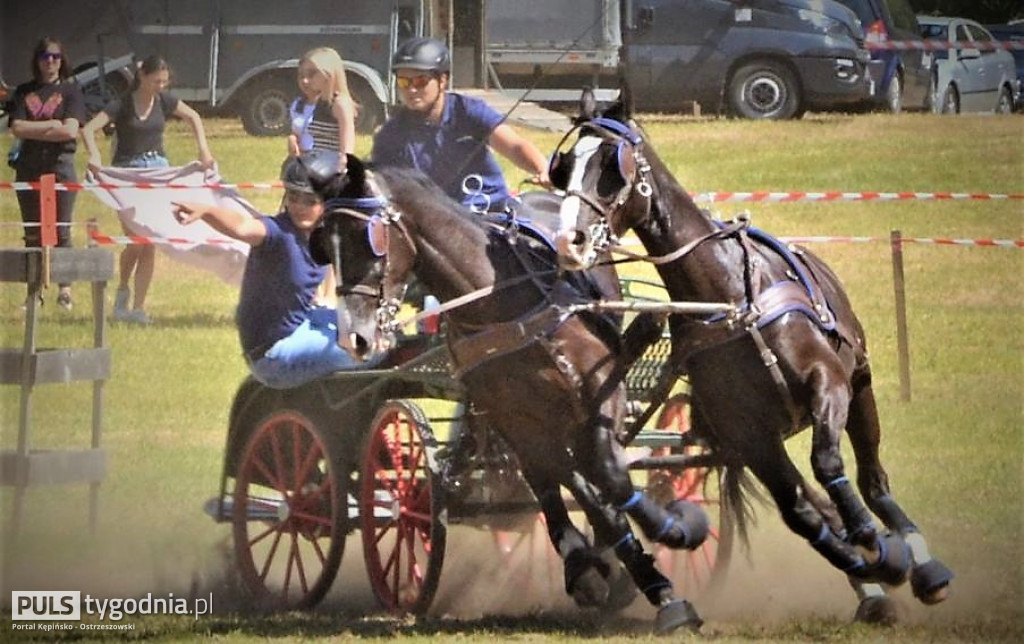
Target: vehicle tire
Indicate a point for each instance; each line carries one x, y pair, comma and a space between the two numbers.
950, 100
402, 511
1005, 104
264, 106
370, 110
894, 94
290, 511
699, 571
764, 89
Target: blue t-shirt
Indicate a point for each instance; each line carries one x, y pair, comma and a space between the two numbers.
278, 286
448, 152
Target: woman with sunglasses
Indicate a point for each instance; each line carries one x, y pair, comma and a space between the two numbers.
287, 339
45, 118
449, 136
139, 119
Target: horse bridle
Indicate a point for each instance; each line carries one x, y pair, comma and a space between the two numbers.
633, 168
371, 210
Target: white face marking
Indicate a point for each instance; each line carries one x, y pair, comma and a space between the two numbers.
569, 213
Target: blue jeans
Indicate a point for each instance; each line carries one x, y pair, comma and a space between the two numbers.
310, 352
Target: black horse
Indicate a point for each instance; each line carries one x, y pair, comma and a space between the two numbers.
793, 354
546, 379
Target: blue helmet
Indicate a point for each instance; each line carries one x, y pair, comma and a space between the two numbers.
312, 172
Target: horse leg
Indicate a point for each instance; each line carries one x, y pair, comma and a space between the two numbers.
611, 528
585, 571
769, 462
929, 578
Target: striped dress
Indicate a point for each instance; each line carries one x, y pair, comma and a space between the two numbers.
323, 128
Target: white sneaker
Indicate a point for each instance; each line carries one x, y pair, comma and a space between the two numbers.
121, 311
138, 316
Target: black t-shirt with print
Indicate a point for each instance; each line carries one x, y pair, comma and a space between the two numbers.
137, 136
35, 101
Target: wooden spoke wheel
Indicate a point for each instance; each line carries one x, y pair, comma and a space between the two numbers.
289, 512
699, 570
401, 508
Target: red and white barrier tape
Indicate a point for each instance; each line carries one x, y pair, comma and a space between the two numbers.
791, 197
763, 196
115, 240
943, 45
938, 241
75, 186
125, 240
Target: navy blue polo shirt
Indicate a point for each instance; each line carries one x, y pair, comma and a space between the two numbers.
278, 286
449, 152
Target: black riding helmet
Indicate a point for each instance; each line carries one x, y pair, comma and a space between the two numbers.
314, 172
424, 54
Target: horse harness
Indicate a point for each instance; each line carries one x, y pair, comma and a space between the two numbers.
761, 306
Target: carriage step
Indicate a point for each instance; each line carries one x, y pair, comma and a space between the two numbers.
270, 510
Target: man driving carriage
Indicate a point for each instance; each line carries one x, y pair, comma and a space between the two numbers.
449, 136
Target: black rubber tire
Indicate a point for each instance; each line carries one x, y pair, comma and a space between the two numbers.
263, 106
764, 89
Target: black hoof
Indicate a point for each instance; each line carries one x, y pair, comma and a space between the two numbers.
690, 528
930, 581
893, 563
677, 614
879, 610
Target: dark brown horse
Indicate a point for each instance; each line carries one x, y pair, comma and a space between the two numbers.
793, 354
546, 379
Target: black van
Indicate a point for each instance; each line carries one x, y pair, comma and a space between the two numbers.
769, 59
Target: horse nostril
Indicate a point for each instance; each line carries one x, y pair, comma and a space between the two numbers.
579, 238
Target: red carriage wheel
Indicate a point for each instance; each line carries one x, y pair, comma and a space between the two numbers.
290, 512
698, 570
401, 508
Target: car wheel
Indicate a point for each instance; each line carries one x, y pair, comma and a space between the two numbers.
264, 107
950, 101
894, 94
764, 90
1005, 104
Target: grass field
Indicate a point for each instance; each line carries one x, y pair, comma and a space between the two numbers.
955, 454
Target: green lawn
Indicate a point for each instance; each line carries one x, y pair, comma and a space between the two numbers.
955, 454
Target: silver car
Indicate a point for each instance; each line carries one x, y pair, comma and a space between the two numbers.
977, 76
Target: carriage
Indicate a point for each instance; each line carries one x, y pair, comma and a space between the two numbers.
395, 453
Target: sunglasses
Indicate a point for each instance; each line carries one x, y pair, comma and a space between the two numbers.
49, 56
301, 198
417, 82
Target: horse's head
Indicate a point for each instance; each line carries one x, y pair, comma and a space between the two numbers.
361, 237
606, 180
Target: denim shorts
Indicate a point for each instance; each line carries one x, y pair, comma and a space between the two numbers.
151, 159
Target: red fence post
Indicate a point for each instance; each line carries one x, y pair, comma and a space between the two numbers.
899, 285
48, 210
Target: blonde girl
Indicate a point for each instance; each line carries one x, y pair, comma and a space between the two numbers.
323, 118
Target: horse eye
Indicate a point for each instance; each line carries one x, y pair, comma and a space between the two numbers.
560, 169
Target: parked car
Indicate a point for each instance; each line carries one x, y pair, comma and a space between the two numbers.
902, 77
1013, 32
969, 79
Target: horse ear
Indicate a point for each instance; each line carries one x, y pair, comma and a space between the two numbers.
626, 99
588, 105
355, 169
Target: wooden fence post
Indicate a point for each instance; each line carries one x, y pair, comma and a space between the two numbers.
899, 286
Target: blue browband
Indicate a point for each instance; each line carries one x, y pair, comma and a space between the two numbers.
363, 204
621, 129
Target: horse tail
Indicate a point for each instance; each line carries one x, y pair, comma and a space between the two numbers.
739, 492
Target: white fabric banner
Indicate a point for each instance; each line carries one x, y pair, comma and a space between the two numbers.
146, 212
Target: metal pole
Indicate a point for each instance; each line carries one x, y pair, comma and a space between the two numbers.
899, 286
